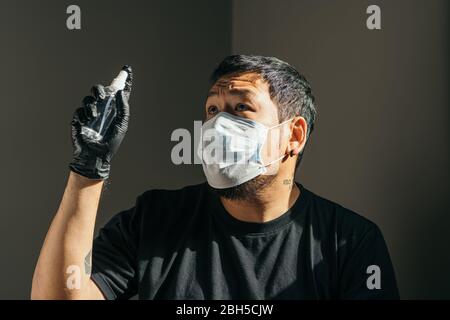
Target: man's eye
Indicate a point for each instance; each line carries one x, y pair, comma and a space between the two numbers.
212, 110
241, 107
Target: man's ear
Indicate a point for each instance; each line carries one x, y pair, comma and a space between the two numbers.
298, 138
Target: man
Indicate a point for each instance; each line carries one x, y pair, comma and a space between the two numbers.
251, 232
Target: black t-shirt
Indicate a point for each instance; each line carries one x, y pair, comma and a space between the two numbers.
183, 244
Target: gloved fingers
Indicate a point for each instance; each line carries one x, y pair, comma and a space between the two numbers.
79, 117
98, 92
90, 105
123, 108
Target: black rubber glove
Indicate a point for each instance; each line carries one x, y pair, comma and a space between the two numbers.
92, 158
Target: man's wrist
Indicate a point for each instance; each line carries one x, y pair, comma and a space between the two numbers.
81, 181
95, 169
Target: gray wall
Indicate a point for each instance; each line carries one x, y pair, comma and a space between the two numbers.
172, 45
381, 145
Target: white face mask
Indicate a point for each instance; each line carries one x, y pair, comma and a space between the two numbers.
231, 150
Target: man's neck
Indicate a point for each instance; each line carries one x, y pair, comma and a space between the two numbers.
274, 200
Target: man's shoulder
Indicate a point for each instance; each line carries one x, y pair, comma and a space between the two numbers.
173, 201
345, 220
167, 207
188, 191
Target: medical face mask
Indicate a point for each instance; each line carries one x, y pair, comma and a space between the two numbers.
231, 150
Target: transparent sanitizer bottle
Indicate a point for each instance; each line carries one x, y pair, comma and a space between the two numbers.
106, 109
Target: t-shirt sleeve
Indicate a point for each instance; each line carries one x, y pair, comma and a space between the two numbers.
366, 270
114, 255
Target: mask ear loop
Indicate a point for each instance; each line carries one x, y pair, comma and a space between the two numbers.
283, 156
276, 160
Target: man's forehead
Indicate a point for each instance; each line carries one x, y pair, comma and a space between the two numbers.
246, 82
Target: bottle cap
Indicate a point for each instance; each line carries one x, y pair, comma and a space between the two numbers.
119, 82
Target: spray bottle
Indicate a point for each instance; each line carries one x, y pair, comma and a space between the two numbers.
106, 109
